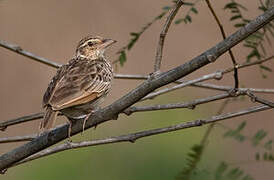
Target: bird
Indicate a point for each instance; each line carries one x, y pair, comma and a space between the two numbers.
79, 86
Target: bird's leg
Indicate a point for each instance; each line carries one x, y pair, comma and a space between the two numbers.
69, 131
86, 118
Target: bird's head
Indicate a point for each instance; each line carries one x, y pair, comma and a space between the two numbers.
93, 47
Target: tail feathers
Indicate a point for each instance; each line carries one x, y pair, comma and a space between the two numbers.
48, 120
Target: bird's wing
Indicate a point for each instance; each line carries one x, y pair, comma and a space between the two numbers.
78, 82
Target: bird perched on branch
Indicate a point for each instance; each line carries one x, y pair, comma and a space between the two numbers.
80, 85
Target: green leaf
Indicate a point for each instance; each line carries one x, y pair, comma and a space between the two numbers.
188, 4
122, 58
258, 137
253, 53
134, 34
230, 5
194, 10
236, 11
178, 21
133, 40
188, 18
239, 25
220, 170
235, 173
160, 16
235, 17
270, 157
266, 68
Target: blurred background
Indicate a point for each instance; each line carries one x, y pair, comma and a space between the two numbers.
52, 29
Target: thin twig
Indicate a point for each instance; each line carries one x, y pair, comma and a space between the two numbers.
190, 105
260, 100
159, 52
19, 50
5, 124
18, 138
246, 64
135, 136
227, 88
23, 119
236, 78
217, 75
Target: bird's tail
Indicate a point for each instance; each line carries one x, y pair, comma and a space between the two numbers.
48, 120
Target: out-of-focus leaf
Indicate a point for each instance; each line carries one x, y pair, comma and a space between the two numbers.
266, 68
194, 10
122, 58
258, 137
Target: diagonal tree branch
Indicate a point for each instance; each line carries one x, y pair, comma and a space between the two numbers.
102, 115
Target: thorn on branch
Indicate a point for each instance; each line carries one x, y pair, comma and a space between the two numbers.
253, 98
218, 75
233, 92
211, 58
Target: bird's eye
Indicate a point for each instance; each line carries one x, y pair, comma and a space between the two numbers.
90, 43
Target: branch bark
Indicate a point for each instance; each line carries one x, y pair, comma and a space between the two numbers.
159, 52
102, 115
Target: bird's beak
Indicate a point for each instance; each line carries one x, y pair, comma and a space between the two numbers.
108, 42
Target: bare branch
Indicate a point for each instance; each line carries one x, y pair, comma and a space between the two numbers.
5, 124
190, 105
247, 64
236, 78
216, 75
135, 136
102, 115
260, 100
227, 88
159, 52
19, 50
18, 138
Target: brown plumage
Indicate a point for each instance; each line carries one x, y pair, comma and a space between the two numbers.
80, 85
